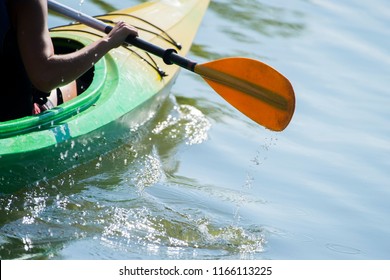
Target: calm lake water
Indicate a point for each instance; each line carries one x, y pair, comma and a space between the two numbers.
205, 182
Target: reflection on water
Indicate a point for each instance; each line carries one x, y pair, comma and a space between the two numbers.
254, 23
267, 19
108, 201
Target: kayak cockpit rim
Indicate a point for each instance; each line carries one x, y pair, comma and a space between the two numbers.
92, 80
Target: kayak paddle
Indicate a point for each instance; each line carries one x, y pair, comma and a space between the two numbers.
254, 88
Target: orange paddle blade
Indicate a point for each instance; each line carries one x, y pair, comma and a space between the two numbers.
256, 89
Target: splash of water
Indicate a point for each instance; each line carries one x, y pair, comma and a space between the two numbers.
185, 120
177, 236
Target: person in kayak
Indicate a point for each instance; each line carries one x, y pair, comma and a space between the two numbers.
31, 69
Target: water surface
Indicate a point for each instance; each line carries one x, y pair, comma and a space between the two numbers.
205, 182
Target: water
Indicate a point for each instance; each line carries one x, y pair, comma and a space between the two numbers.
204, 182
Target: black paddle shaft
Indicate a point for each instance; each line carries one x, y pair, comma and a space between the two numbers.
169, 56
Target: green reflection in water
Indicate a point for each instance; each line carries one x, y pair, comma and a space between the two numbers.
263, 18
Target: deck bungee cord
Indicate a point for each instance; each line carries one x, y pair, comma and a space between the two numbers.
149, 60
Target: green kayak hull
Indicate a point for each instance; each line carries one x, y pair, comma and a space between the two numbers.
124, 90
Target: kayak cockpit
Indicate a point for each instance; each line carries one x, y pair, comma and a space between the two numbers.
64, 46
88, 91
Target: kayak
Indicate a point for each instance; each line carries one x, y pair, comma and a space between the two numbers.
122, 92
